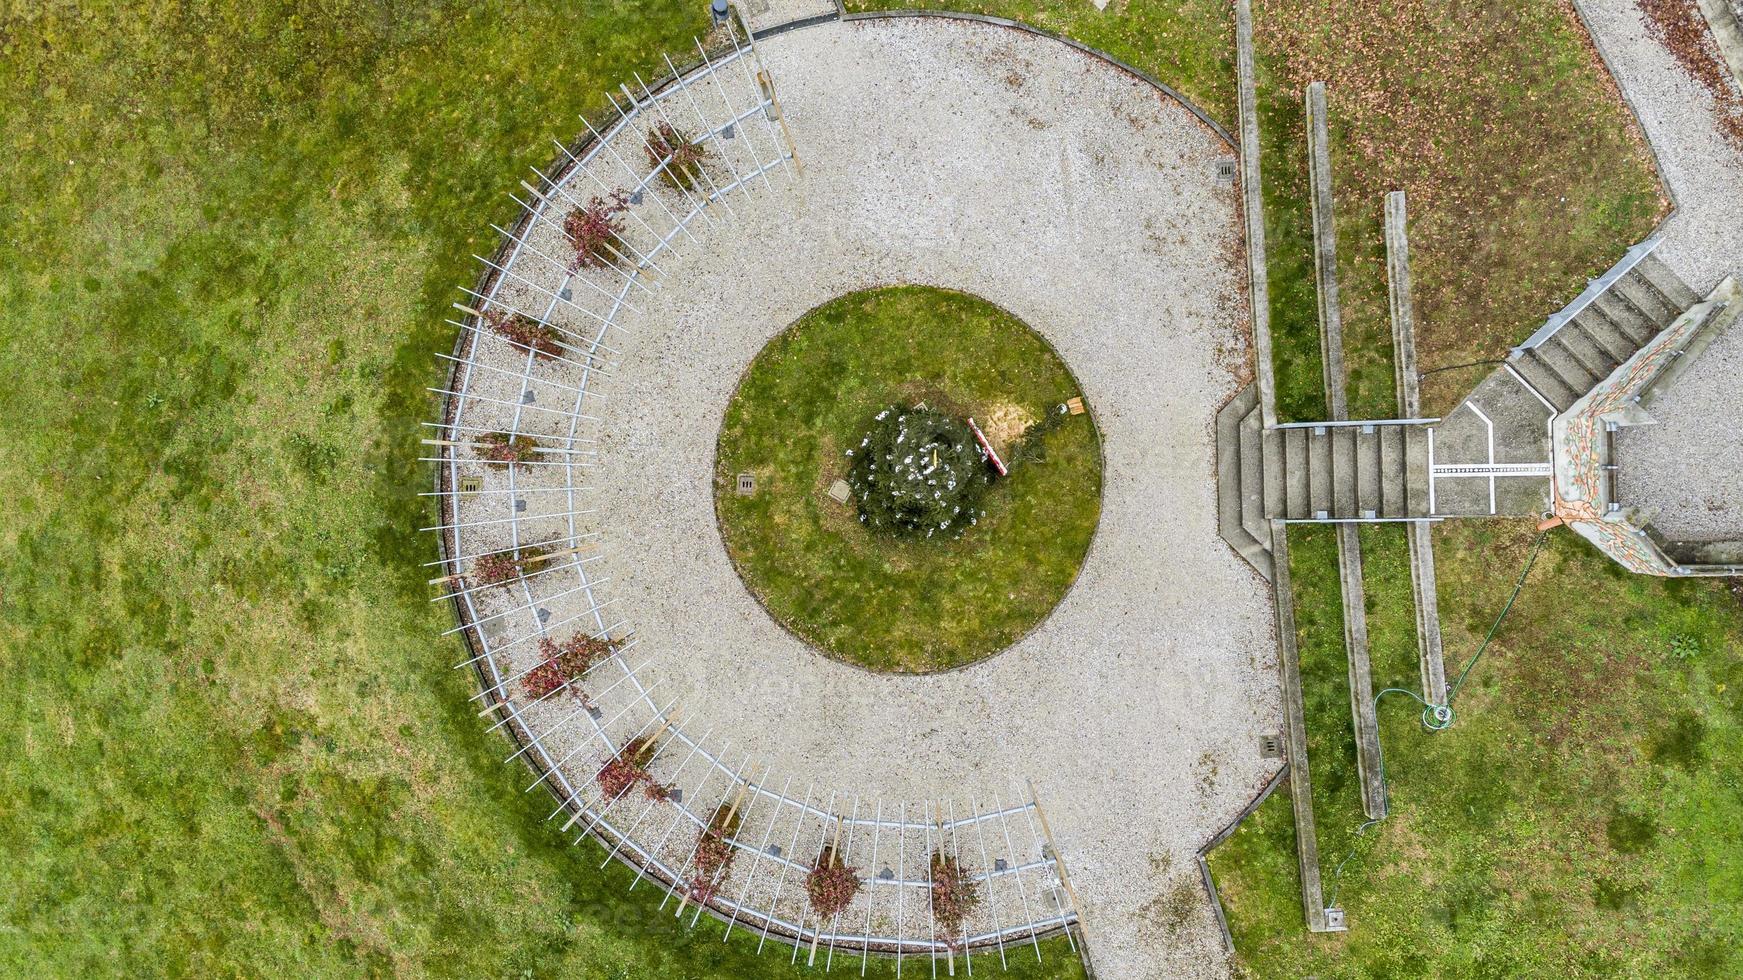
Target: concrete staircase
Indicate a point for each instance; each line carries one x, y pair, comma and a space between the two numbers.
1320, 471
1617, 314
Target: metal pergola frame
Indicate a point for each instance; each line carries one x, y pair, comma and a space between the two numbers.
567, 744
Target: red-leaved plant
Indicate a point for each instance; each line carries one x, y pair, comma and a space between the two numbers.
955, 895
714, 853
629, 768
593, 229
564, 663
542, 338
505, 567
831, 885
500, 450
666, 140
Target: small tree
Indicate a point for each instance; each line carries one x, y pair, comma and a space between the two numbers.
500, 450
955, 895
683, 168
518, 328
714, 853
594, 230
563, 664
629, 768
918, 473
831, 885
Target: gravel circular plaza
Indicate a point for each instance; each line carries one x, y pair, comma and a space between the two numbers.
798, 428
1083, 201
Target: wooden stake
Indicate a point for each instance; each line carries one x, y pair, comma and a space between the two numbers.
1058, 861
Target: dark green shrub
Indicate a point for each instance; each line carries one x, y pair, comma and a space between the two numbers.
918, 473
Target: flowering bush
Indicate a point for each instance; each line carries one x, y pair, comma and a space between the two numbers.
629, 768
714, 853
955, 895
831, 885
685, 166
500, 450
500, 569
918, 473
542, 338
563, 663
593, 229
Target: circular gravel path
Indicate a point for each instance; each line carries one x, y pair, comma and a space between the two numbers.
1085, 202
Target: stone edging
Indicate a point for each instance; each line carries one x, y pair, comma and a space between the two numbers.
1224, 834
1634, 110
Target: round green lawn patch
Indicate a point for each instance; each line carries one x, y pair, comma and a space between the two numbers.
906, 603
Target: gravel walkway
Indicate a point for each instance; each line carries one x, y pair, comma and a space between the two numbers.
1047, 181
1686, 466
1704, 238
1689, 464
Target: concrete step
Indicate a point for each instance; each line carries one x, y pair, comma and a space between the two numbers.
1369, 498
1625, 317
1544, 378
1276, 487
1296, 474
1590, 354
1252, 444
1558, 353
1640, 294
1393, 499
1320, 502
1616, 345
1345, 475
1231, 475
1415, 471
1667, 282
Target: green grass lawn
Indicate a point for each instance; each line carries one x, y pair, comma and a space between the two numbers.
1576, 823
1578, 819
235, 744
884, 603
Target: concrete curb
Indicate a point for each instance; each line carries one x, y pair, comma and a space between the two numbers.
1634, 110
1216, 902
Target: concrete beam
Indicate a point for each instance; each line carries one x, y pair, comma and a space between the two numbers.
1428, 643
1363, 718
1727, 34
1253, 212
1295, 735
1325, 253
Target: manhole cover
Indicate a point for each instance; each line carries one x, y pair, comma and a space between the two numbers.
1225, 171
471, 484
747, 484
1270, 747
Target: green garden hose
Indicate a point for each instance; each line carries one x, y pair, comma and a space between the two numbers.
1435, 717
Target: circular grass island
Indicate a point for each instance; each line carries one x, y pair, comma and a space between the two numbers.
918, 598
